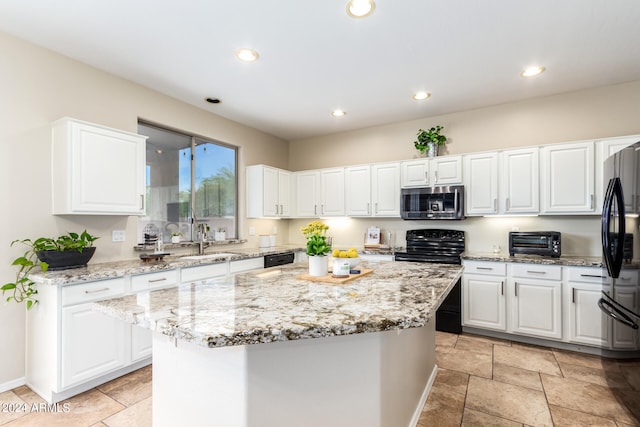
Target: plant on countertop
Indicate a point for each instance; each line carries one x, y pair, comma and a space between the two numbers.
23, 290
316, 234
425, 137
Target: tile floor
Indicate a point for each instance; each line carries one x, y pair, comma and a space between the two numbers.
481, 382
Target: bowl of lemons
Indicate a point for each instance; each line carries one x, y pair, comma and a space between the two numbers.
351, 254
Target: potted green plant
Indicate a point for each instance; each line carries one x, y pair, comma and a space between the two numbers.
176, 236
71, 250
430, 140
318, 247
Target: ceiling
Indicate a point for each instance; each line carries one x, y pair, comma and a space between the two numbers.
314, 58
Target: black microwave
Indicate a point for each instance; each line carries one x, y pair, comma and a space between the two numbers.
545, 243
442, 202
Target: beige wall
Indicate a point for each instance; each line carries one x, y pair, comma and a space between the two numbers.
38, 87
588, 114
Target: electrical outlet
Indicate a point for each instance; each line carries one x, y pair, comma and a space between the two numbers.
515, 228
117, 236
252, 231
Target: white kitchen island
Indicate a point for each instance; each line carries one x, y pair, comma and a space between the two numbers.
267, 349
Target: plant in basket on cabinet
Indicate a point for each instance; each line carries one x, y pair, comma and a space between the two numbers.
318, 247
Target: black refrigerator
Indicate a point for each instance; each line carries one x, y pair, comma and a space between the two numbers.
620, 240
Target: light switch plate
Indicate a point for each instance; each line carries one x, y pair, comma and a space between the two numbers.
117, 236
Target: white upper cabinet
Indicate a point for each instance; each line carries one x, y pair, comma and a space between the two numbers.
97, 170
567, 176
604, 149
332, 187
268, 192
358, 190
306, 193
414, 173
446, 170
481, 183
385, 189
519, 181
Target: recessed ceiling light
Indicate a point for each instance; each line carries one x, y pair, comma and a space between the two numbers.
338, 113
247, 55
360, 8
418, 96
532, 71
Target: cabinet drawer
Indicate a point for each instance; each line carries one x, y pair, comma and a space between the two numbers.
195, 274
246, 264
485, 267
145, 282
93, 291
536, 271
627, 277
586, 274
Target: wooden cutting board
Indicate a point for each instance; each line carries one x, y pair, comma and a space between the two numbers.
335, 280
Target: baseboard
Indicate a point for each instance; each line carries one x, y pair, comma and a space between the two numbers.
424, 397
10, 385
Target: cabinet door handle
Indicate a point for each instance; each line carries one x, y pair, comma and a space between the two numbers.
597, 276
484, 268
368, 208
281, 209
495, 205
573, 295
426, 177
436, 173
162, 279
276, 205
506, 202
516, 288
502, 287
315, 209
142, 201
95, 291
322, 209
536, 272
591, 203
376, 207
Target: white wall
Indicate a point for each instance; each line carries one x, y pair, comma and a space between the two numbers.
38, 87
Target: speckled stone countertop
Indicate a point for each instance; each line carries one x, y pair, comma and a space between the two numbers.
272, 305
573, 261
109, 270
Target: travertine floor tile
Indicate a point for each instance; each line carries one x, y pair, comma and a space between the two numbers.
12, 407
138, 415
28, 395
516, 376
526, 358
508, 401
471, 344
469, 362
443, 408
131, 388
452, 380
472, 418
531, 347
580, 359
566, 417
491, 340
611, 378
84, 410
446, 339
585, 397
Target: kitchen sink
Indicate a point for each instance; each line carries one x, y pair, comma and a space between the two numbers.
217, 255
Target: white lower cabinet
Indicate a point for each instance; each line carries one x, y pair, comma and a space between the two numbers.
483, 296
92, 344
587, 324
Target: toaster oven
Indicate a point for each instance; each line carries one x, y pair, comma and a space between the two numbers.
545, 243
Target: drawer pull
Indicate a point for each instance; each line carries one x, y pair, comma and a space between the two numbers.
484, 268
573, 295
162, 279
593, 275
536, 272
95, 291
516, 288
502, 287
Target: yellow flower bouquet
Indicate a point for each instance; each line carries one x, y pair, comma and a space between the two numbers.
316, 234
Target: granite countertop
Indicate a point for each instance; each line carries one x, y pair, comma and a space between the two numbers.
109, 270
572, 261
272, 305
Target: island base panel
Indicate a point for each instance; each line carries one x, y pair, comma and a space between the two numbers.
373, 379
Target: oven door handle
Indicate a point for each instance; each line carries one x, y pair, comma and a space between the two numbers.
613, 309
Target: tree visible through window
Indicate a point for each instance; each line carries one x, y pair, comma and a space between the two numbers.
178, 162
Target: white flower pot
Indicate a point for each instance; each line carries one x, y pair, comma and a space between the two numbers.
318, 265
219, 236
175, 239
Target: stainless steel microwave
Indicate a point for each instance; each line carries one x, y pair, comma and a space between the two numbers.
442, 202
545, 243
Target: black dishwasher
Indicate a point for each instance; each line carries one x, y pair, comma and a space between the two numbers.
273, 260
